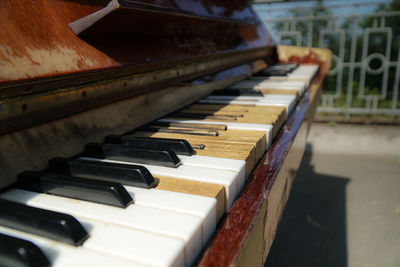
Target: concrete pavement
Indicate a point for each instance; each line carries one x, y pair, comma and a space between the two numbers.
344, 208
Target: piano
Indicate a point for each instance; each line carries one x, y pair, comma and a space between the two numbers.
147, 132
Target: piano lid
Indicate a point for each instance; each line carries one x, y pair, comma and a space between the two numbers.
39, 41
60, 57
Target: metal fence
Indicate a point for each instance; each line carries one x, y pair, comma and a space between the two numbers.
365, 41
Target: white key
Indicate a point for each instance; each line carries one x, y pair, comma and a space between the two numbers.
257, 83
61, 255
305, 72
166, 223
229, 179
203, 207
268, 83
264, 98
289, 106
214, 163
229, 125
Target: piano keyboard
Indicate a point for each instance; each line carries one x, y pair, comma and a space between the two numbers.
154, 196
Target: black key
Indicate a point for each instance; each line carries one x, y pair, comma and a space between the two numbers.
156, 129
46, 223
179, 146
126, 174
21, 253
237, 92
278, 70
124, 153
104, 192
205, 116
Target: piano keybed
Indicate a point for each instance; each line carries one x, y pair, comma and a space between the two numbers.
154, 196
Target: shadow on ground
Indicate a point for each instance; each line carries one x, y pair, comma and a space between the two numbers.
312, 231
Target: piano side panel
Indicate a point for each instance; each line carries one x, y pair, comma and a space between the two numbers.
248, 231
248, 218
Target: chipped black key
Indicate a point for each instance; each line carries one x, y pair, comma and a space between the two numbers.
46, 223
179, 146
164, 158
104, 192
126, 174
19, 252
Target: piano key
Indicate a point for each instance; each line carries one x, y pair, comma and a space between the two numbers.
19, 252
168, 184
104, 192
201, 161
110, 244
134, 175
169, 224
216, 148
214, 127
281, 69
264, 98
238, 92
267, 128
230, 138
179, 146
200, 206
304, 72
127, 153
199, 132
229, 179
53, 225
210, 190
260, 83
288, 105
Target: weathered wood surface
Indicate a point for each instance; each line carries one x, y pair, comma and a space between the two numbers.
37, 42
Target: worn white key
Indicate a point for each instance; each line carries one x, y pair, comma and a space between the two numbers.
229, 179
163, 222
214, 163
288, 105
264, 98
305, 72
203, 207
260, 82
61, 255
229, 125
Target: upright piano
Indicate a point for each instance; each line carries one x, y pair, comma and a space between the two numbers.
147, 132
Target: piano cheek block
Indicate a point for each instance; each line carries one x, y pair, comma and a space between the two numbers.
132, 175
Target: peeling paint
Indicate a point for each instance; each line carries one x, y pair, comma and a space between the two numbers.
37, 62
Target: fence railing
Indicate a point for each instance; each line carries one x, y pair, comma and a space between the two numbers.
365, 41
